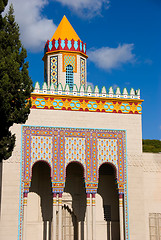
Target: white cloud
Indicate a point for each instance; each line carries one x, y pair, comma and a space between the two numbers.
112, 58
85, 8
35, 28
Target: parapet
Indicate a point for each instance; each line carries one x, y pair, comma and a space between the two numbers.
86, 99
88, 92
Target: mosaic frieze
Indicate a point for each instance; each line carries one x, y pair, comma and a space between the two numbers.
85, 104
69, 45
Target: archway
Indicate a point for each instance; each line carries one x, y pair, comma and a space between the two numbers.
75, 188
108, 201
39, 208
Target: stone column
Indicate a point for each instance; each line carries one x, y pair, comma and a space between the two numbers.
88, 208
121, 211
24, 214
60, 216
93, 217
54, 217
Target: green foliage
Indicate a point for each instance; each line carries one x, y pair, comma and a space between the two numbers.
151, 146
3, 3
15, 83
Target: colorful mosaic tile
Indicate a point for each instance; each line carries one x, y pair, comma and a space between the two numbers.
86, 104
68, 45
59, 146
107, 151
70, 59
54, 69
41, 149
82, 71
74, 150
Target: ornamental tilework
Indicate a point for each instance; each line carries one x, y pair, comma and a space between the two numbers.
41, 149
59, 146
54, 69
74, 150
82, 71
107, 151
70, 59
86, 104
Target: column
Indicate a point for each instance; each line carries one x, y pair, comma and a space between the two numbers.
88, 216
60, 216
54, 217
93, 217
24, 214
121, 211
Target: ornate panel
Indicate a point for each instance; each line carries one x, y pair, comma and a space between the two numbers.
69, 59
54, 70
82, 71
107, 151
74, 150
60, 146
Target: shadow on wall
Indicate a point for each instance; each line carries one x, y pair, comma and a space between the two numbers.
40, 200
107, 189
75, 186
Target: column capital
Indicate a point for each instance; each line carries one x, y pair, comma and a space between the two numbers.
54, 195
121, 195
93, 195
25, 194
60, 195
88, 195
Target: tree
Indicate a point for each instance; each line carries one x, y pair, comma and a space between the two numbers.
151, 145
3, 3
15, 83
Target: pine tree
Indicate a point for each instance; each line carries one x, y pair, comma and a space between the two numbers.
15, 83
3, 3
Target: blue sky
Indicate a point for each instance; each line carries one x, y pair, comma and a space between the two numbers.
123, 43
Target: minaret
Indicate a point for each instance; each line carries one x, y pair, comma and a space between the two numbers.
65, 57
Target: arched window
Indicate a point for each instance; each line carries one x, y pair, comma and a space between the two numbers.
69, 76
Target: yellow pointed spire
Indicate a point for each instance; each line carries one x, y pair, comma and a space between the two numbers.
65, 30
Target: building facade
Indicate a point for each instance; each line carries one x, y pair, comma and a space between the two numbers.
77, 171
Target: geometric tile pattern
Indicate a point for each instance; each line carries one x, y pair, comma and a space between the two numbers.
54, 70
68, 45
74, 150
82, 68
59, 146
107, 151
41, 148
70, 59
87, 104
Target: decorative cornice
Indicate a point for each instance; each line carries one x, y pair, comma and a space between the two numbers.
87, 104
66, 45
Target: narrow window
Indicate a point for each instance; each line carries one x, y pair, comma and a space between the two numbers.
69, 76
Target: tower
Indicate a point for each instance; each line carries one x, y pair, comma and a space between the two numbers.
65, 58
